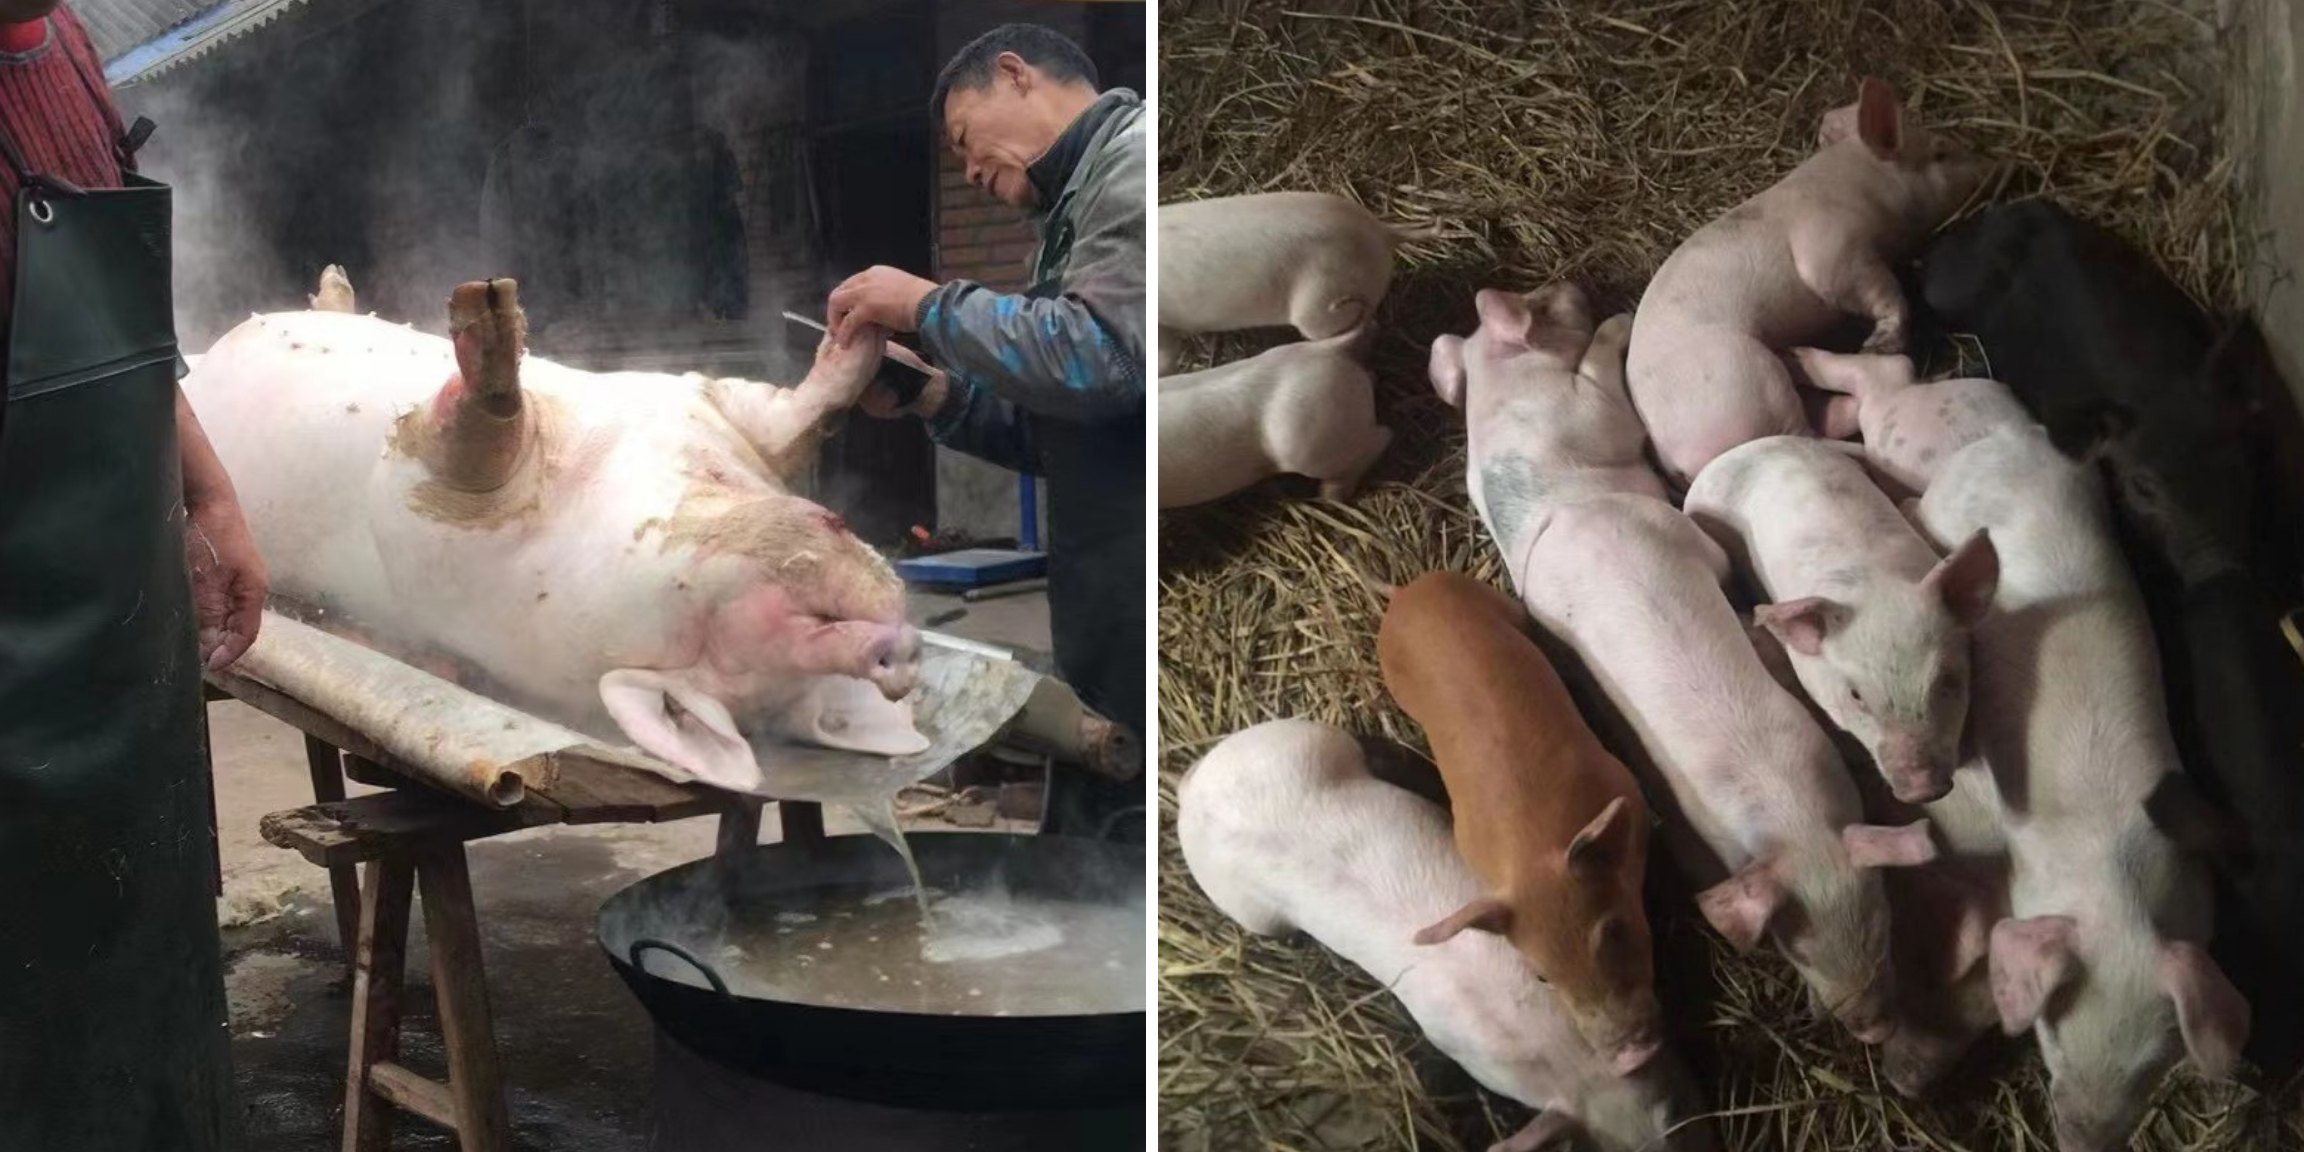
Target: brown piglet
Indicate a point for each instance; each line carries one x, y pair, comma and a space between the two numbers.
1551, 824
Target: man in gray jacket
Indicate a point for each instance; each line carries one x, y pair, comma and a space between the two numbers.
1050, 380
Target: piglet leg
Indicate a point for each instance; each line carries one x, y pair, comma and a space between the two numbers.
1854, 279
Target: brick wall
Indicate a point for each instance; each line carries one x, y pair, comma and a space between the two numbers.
979, 238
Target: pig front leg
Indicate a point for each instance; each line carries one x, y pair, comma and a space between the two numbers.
1341, 484
1853, 279
785, 425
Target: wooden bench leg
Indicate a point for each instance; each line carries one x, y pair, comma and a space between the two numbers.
379, 969
802, 823
475, 1081
327, 766
739, 827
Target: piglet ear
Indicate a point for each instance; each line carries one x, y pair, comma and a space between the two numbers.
1447, 369
1504, 315
1551, 1131
1801, 624
2031, 959
1602, 842
1486, 913
1884, 846
1740, 907
1967, 579
1879, 122
1560, 321
2210, 1011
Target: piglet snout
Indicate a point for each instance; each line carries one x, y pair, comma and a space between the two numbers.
894, 661
1915, 776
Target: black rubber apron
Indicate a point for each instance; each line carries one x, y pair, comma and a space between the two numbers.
112, 1016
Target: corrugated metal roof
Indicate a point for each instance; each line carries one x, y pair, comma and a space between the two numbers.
139, 38
115, 26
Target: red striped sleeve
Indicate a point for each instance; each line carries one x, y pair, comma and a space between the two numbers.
61, 126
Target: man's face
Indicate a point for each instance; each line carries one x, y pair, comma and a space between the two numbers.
22, 11
998, 130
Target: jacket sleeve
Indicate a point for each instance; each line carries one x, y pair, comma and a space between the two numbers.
1078, 355
984, 425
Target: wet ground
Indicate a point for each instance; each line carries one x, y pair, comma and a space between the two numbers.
576, 1049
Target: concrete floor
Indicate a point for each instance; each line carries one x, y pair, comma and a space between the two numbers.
576, 1048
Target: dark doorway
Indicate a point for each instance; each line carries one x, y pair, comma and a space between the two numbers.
871, 157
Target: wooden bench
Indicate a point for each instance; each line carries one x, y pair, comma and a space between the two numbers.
382, 849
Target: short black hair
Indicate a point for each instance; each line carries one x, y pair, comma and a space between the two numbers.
1044, 48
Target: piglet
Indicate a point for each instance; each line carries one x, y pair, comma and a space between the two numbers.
1875, 624
2103, 955
1307, 408
1780, 270
1545, 412
1552, 824
1285, 829
1607, 566
1317, 262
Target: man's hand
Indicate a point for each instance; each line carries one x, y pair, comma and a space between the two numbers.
889, 297
228, 578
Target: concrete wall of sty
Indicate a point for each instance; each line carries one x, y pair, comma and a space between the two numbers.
979, 238
2266, 118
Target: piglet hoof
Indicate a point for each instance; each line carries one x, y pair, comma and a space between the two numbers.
1887, 339
840, 374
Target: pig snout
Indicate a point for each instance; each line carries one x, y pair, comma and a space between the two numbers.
1627, 1040
1869, 1017
892, 660
1913, 769
2081, 1129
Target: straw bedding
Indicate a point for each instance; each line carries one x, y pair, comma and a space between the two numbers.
1583, 140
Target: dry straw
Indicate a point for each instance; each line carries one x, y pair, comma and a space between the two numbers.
1582, 141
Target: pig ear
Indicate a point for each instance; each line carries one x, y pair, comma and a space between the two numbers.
1504, 314
1967, 579
1447, 369
1801, 624
1741, 906
1879, 122
1604, 841
1486, 913
682, 727
2209, 1010
850, 713
1560, 320
1551, 1131
1884, 846
2031, 959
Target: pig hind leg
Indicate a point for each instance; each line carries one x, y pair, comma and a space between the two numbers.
1341, 477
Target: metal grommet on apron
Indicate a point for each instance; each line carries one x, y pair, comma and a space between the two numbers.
112, 1014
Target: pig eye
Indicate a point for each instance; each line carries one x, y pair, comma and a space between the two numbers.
1855, 696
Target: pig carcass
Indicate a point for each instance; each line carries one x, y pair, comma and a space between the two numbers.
613, 550
1779, 270
1604, 564
1552, 824
2103, 956
1286, 829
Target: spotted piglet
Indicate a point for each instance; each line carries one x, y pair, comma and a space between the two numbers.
2103, 957
1553, 826
1285, 828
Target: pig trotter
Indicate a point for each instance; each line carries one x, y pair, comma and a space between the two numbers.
491, 334
335, 293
